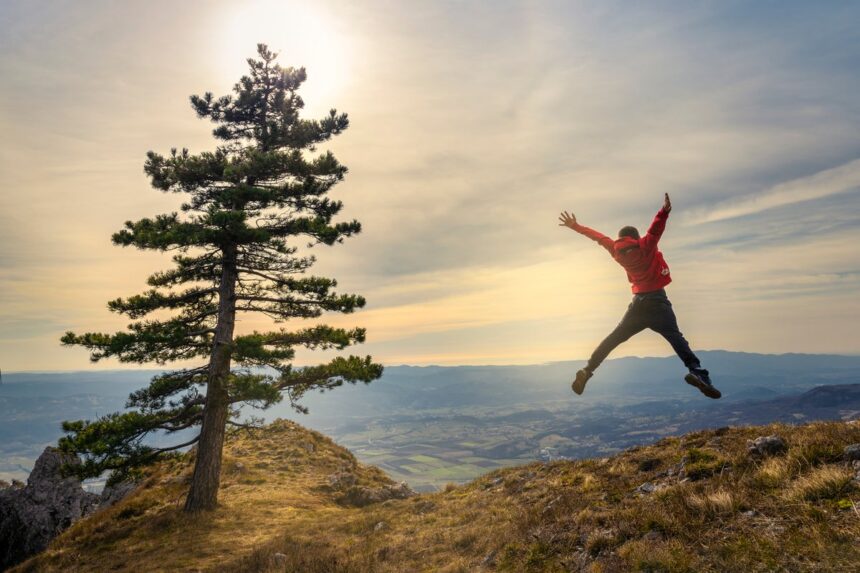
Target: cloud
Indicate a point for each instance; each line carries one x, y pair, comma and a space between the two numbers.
473, 125
828, 182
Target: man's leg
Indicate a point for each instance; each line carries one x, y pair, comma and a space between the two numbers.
662, 320
631, 323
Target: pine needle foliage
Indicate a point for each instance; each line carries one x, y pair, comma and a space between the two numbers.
250, 205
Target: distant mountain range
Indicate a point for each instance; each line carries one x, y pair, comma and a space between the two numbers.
460, 421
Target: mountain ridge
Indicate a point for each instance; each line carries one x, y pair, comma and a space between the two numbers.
698, 502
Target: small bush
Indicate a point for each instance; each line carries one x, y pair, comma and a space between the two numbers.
702, 464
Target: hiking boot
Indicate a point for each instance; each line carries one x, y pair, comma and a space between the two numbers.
699, 378
582, 377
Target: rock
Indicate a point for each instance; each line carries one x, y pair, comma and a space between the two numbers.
308, 447
852, 452
114, 493
32, 515
749, 513
489, 559
681, 468
239, 467
424, 505
359, 496
280, 559
766, 446
494, 482
646, 487
379, 526
342, 480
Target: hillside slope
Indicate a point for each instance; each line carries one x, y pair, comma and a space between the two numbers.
699, 502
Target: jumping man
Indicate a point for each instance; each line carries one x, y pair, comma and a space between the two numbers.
648, 273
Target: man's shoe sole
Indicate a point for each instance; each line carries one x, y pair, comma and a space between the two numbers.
578, 385
706, 389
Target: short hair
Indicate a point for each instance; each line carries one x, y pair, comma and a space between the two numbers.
628, 231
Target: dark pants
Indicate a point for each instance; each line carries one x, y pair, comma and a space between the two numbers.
647, 310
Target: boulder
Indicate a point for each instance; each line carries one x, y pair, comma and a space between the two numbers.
766, 446
647, 487
342, 480
115, 492
32, 515
359, 496
852, 452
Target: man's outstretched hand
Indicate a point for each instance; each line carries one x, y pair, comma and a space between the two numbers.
667, 204
567, 220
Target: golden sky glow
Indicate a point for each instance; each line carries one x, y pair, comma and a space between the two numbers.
472, 125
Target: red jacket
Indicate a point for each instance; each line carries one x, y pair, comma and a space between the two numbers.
646, 269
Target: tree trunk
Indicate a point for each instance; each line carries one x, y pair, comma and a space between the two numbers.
203, 495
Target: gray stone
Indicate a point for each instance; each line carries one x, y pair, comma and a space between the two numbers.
32, 515
766, 446
647, 487
490, 558
359, 496
852, 452
494, 482
116, 492
379, 526
342, 480
280, 559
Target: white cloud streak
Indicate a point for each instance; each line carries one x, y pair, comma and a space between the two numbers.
825, 183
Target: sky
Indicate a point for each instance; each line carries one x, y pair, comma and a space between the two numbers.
473, 124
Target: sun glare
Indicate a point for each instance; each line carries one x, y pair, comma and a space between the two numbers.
302, 33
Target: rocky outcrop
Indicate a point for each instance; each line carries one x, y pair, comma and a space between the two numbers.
764, 446
32, 515
852, 452
359, 496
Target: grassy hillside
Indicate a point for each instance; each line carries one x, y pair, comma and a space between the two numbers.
283, 511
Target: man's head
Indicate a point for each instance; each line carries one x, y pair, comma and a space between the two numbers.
628, 231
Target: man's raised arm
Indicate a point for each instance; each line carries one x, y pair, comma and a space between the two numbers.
569, 220
658, 225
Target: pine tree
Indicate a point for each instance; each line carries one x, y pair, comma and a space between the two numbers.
250, 202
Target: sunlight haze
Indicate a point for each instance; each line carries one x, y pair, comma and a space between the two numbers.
473, 124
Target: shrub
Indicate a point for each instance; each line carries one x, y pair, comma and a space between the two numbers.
702, 464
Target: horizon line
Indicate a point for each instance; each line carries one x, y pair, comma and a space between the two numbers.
402, 365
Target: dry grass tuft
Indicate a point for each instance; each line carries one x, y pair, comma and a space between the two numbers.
826, 482
720, 502
774, 472
668, 557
